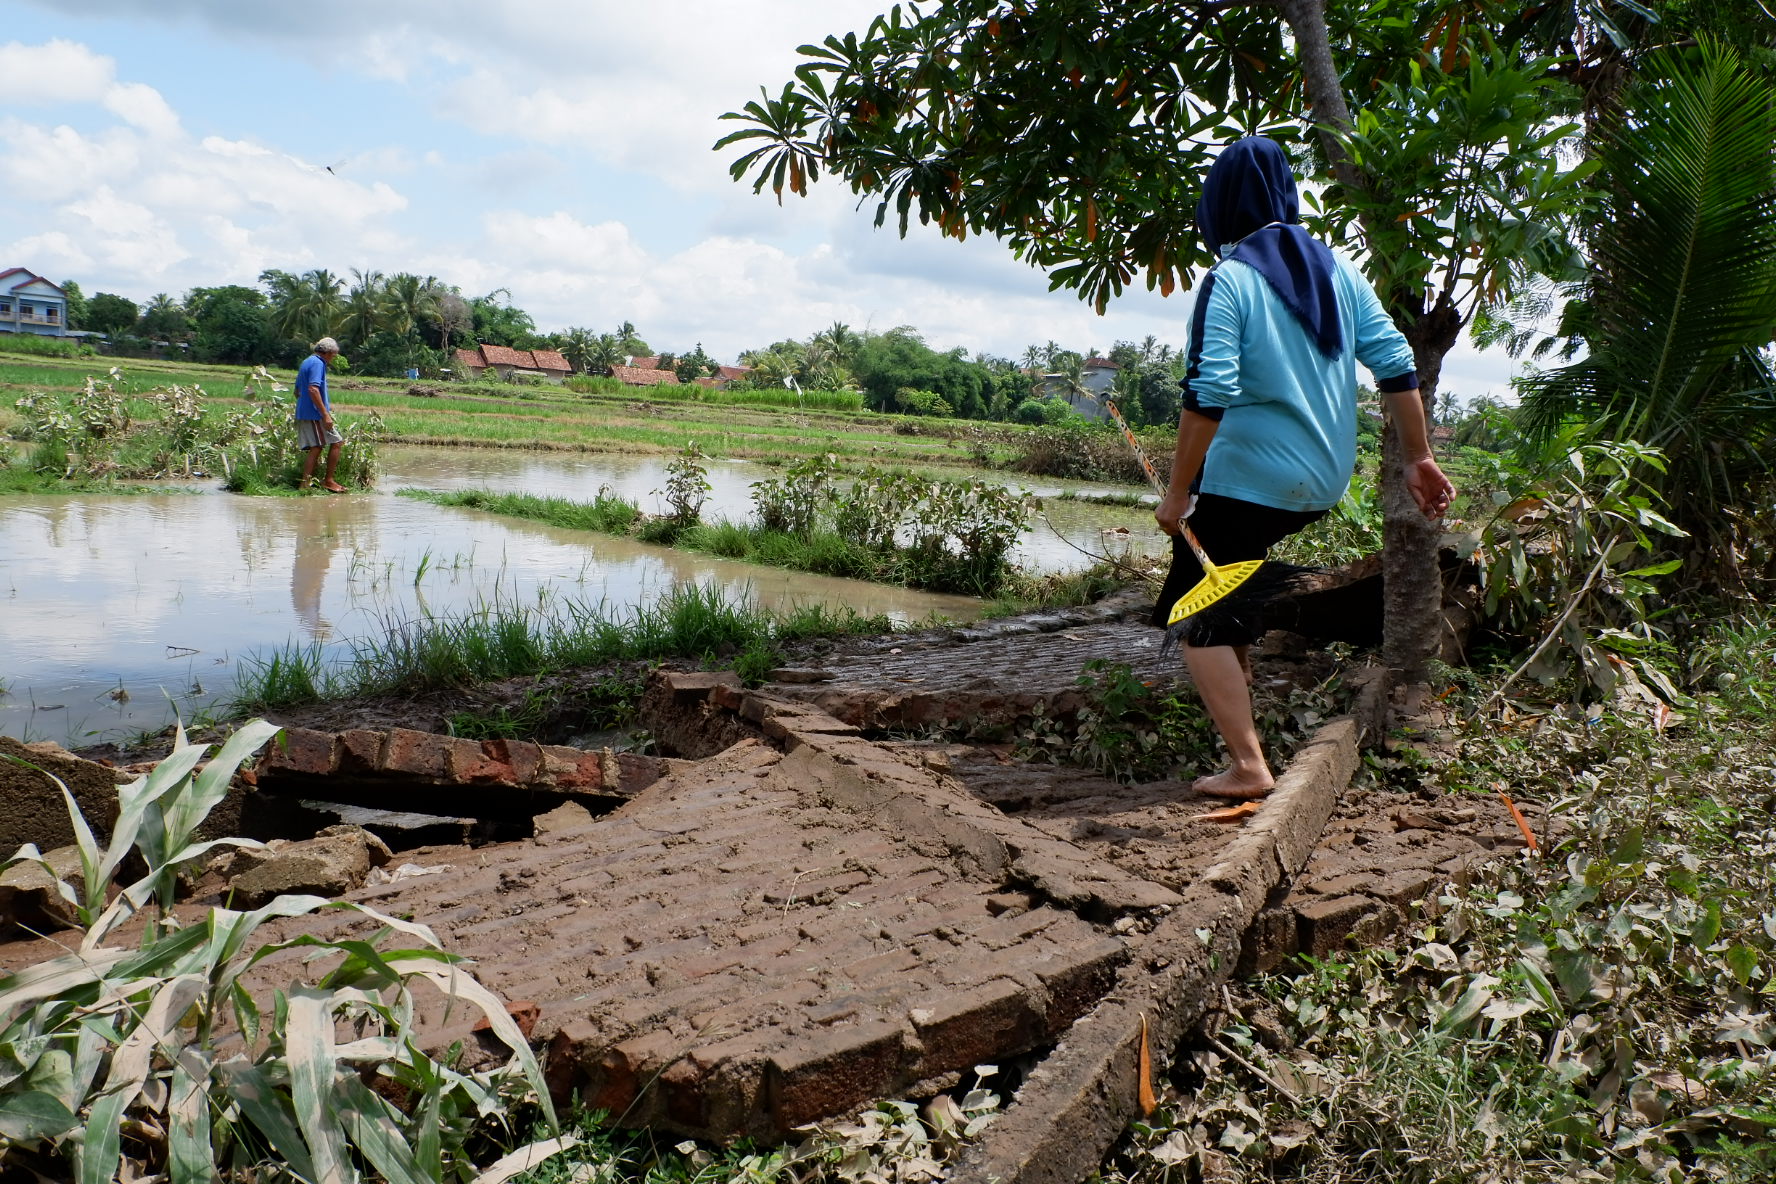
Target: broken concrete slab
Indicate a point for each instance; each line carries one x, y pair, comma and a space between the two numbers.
330, 864
29, 897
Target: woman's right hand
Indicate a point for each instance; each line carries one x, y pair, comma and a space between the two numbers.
1173, 508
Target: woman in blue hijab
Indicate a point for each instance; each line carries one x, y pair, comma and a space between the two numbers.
1268, 436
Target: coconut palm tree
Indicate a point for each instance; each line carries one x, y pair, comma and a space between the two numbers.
577, 346
308, 306
839, 341
408, 303
607, 351
1681, 304
363, 306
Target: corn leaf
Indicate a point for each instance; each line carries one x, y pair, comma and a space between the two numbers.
308, 1043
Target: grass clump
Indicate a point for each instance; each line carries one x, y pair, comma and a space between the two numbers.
606, 514
34, 345
692, 622
889, 527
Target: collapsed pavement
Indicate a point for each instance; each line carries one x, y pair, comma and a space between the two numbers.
796, 915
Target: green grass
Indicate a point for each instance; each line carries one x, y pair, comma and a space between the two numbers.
504, 640
31, 344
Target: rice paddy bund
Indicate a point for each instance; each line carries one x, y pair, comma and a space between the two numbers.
122, 612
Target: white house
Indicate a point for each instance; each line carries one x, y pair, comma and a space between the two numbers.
31, 304
1098, 378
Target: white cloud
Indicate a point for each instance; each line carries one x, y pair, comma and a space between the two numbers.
55, 72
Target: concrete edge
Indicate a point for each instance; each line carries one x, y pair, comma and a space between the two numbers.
1082, 1097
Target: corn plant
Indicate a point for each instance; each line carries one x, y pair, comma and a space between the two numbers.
154, 1050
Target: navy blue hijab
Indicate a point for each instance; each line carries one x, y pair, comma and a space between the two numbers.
1249, 187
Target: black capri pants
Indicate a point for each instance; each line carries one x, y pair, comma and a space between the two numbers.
1230, 531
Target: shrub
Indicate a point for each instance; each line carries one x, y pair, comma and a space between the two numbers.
44, 347
790, 503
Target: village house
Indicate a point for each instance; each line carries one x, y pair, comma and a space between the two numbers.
643, 376
505, 362
31, 304
1098, 379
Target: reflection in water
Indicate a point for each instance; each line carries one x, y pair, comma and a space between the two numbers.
308, 573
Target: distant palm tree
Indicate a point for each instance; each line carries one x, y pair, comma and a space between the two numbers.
1050, 352
607, 351
363, 306
840, 342
1032, 357
628, 342
306, 307
408, 303
577, 346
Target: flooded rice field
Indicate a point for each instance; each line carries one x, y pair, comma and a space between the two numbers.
116, 613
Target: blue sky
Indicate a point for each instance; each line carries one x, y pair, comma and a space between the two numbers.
559, 149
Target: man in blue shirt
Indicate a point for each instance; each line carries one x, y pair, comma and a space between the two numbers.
314, 415
1267, 439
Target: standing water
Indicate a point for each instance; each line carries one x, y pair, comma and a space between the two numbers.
118, 613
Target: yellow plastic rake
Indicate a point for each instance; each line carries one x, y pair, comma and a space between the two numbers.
1218, 579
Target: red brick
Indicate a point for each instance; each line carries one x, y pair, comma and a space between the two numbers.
1270, 942
572, 768
834, 1070
414, 754
984, 1023
469, 763
621, 1072
359, 751
726, 697
636, 772
867, 971
690, 686
300, 750
521, 756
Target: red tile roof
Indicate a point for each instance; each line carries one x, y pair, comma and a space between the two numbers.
648, 363
639, 376
470, 358
499, 355
1097, 363
548, 359
709, 382
733, 373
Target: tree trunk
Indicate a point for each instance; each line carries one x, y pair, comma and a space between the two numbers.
1412, 584
1413, 595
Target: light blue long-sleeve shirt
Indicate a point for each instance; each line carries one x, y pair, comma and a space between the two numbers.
1288, 434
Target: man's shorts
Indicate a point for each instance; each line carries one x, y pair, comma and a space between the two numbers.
311, 433
1230, 531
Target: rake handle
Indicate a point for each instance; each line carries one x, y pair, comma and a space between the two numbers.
1128, 434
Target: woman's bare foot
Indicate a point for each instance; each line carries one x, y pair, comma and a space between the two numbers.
1239, 784
334, 487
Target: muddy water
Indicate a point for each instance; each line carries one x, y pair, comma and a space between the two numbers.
117, 612
1064, 538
